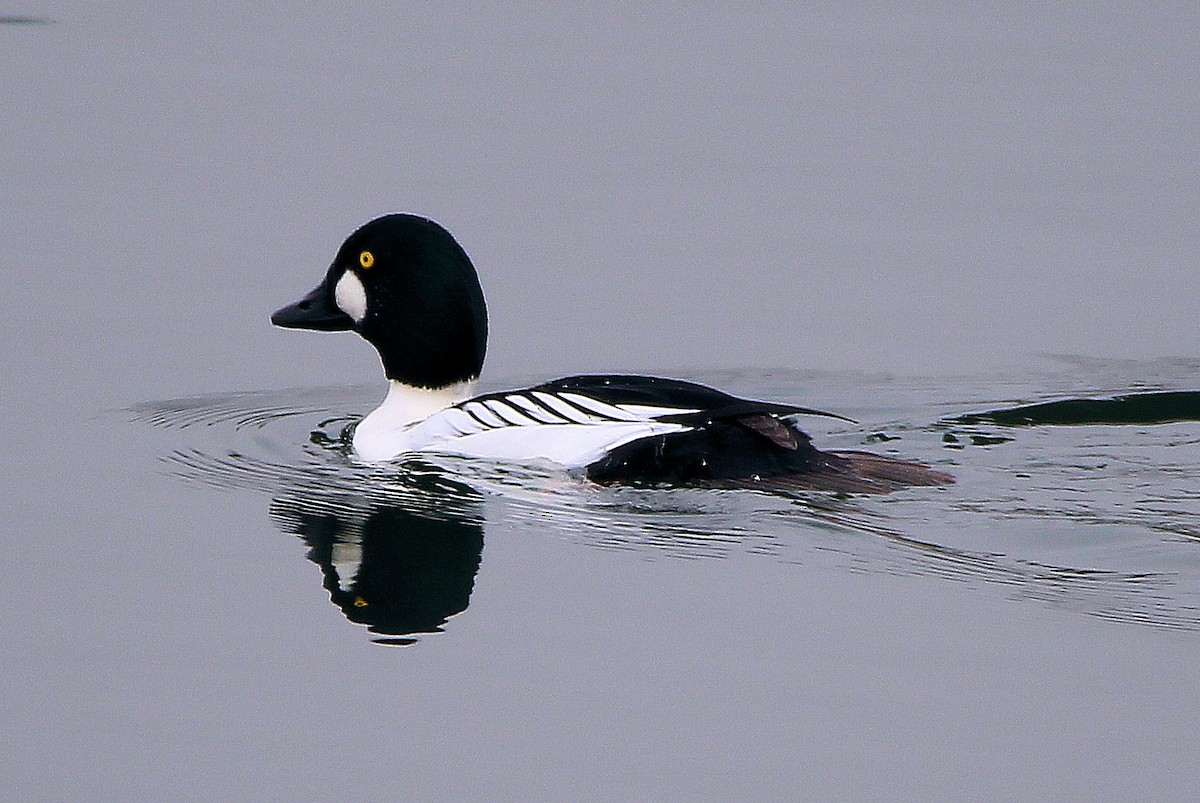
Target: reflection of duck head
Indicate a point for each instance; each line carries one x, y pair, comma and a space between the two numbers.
399, 570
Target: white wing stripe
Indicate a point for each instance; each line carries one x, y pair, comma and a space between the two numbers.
508, 414
462, 422
598, 407
567, 411
478, 422
536, 411
483, 415
646, 412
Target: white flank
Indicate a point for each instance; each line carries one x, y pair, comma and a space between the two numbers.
569, 445
534, 427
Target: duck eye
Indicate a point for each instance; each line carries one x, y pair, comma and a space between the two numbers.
366, 259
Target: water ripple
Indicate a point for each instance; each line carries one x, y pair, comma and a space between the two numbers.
1099, 519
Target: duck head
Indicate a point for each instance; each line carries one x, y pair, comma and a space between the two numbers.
406, 286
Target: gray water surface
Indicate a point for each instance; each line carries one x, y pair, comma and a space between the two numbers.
892, 214
1097, 518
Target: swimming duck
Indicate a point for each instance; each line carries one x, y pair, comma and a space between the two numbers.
408, 288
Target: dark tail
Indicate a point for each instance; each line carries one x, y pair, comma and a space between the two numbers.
850, 472
892, 471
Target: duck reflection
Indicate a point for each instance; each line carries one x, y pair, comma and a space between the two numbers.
401, 566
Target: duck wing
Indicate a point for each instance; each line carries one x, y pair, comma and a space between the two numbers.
671, 400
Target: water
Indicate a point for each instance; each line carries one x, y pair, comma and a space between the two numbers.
1055, 579
885, 214
1098, 519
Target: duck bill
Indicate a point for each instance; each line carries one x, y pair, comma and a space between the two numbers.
316, 310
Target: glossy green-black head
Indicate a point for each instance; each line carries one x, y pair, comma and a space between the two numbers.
404, 284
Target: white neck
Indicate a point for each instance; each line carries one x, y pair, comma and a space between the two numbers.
405, 405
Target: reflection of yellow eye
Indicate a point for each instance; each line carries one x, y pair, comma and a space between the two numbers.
366, 259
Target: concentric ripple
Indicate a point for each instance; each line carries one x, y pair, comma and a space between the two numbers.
1101, 519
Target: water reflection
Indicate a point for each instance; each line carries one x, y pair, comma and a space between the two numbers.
398, 571
1102, 521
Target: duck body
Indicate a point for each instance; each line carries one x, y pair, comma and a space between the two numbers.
406, 286
645, 427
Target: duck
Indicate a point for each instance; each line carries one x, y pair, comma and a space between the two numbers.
404, 284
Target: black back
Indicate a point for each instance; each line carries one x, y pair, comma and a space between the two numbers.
660, 391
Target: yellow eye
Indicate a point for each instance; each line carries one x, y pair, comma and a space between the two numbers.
366, 259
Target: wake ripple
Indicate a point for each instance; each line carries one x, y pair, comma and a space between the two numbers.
289, 445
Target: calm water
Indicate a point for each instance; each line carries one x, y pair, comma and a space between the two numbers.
879, 213
1098, 518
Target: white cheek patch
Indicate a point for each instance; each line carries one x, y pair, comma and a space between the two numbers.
351, 296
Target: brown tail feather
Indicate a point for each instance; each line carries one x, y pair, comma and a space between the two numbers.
851, 472
892, 469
